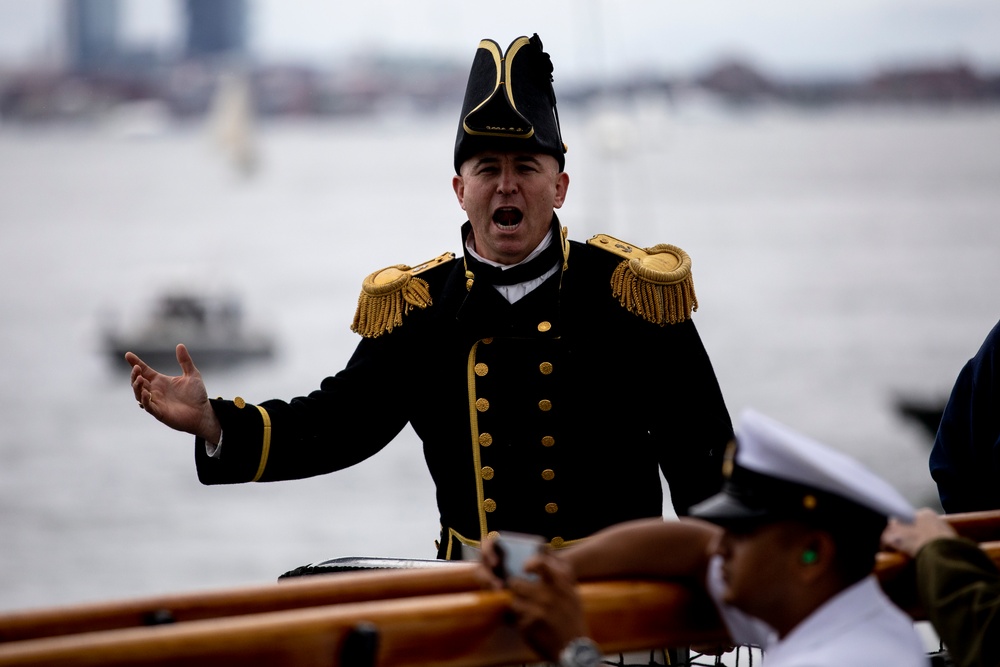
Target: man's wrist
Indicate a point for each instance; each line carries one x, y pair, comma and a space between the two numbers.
580, 652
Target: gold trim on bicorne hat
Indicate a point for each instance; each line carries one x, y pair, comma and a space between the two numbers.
390, 293
510, 104
654, 283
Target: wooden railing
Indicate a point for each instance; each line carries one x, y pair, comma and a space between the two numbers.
421, 617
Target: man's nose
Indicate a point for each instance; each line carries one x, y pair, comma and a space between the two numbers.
507, 184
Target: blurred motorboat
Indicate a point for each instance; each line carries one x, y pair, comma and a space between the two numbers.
211, 327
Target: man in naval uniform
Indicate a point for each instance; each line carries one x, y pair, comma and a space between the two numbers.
786, 551
549, 380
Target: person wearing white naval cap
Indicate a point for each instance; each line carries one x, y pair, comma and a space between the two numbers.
786, 550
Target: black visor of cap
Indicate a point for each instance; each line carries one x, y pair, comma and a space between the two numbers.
724, 509
749, 497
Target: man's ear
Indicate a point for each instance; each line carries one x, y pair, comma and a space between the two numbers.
817, 554
459, 186
562, 185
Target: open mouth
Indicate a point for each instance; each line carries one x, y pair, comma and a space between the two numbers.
507, 217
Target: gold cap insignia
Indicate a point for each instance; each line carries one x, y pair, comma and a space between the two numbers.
729, 459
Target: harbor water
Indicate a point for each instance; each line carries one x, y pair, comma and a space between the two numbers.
843, 258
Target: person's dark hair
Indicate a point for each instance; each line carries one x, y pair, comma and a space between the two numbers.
857, 539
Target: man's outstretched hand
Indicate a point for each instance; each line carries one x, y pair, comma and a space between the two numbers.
180, 402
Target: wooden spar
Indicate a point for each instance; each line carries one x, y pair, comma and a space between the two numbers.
977, 526
343, 588
447, 630
443, 629
309, 591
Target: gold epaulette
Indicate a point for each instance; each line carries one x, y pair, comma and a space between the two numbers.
390, 293
654, 283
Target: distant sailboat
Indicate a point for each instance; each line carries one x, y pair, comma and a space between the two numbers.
231, 121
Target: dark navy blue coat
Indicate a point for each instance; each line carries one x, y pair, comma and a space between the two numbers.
965, 459
552, 415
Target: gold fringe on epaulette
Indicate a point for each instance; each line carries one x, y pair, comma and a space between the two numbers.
660, 290
386, 296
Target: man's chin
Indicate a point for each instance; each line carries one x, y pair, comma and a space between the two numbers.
508, 253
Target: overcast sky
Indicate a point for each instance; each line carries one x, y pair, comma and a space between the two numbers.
585, 37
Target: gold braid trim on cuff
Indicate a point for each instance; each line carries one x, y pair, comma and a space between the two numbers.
390, 293
654, 283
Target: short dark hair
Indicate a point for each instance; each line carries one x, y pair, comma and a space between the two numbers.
857, 540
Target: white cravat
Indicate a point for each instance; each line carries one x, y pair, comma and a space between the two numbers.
518, 290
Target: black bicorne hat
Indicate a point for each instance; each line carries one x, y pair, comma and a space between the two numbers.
509, 102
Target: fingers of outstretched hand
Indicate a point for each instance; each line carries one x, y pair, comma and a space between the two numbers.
142, 393
132, 359
142, 377
185, 361
139, 383
146, 402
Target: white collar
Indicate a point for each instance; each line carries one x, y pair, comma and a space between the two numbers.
542, 245
516, 291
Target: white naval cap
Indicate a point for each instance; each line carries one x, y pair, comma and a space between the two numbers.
779, 473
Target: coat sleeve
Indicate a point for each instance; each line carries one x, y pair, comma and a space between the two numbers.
965, 458
959, 587
353, 415
699, 425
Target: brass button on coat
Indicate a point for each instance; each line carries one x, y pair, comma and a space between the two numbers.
544, 326
547, 441
239, 402
493, 534
490, 505
548, 474
485, 439
487, 472
481, 369
544, 405
482, 405
487, 341
545, 368
557, 542
551, 508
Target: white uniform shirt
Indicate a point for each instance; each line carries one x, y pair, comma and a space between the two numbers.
860, 626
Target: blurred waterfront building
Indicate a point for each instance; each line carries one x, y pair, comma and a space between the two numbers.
92, 29
215, 27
